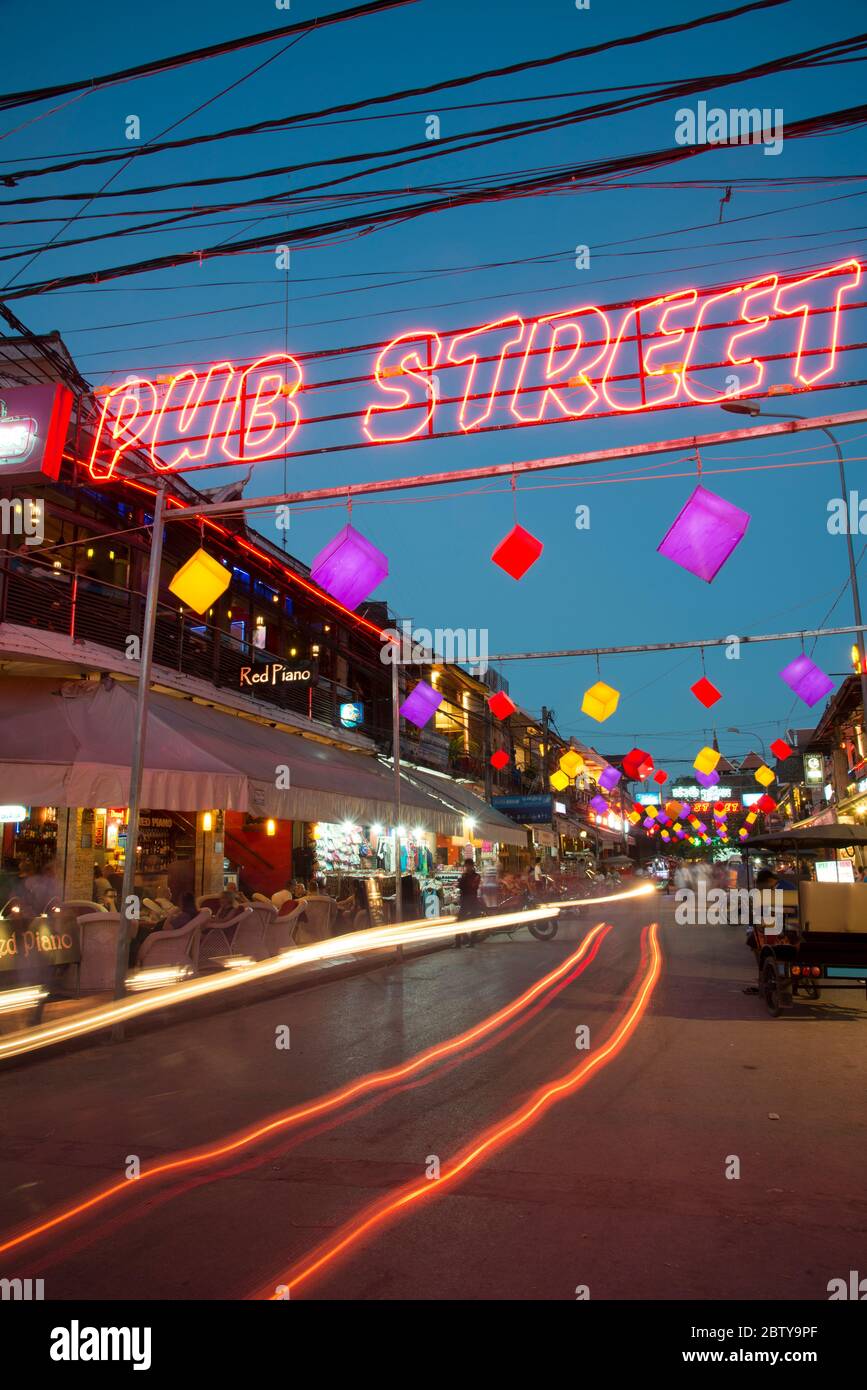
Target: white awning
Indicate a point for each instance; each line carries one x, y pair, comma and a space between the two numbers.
489, 824
70, 744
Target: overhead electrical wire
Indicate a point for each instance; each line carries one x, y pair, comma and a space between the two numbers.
86, 85
367, 222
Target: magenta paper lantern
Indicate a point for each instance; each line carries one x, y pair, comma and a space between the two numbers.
707, 779
421, 704
349, 568
685, 809
609, 778
704, 533
600, 805
647, 823
808, 680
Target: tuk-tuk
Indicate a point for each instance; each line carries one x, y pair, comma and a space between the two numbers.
821, 943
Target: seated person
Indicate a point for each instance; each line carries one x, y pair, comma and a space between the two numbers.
230, 905
182, 915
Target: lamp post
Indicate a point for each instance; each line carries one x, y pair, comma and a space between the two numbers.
747, 408
733, 730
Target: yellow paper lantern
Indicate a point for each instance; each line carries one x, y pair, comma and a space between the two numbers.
634, 816
751, 818
201, 581
571, 763
600, 701
764, 775
651, 812
707, 760
559, 781
677, 826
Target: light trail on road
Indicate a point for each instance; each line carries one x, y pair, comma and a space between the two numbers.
373, 1082
351, 943
495, 1137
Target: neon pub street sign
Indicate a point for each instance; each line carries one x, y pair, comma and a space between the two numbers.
572, 364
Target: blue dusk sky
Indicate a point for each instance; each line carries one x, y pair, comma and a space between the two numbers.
601, 586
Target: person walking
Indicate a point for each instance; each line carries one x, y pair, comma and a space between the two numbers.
469, 884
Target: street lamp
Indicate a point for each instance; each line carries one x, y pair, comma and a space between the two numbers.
733, 730
749, 408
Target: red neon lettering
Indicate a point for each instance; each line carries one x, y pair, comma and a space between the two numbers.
756, 290
564, 373
652, 374
189, 414
470, 420
793, 296
129, 411
693, 389
261, 417
400, 358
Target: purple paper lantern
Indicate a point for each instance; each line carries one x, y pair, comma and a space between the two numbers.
349, 568
685, 809
808, 680
600, 805
707, 779
647, 822
421, 704
609, 778
704, 533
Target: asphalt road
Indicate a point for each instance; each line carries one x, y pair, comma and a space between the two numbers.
621, 1187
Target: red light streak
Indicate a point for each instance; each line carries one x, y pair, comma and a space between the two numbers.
374, 1081
379, 1213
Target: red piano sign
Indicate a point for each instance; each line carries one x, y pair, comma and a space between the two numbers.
687, 347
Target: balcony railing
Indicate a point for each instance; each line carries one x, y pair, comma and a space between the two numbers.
35, 596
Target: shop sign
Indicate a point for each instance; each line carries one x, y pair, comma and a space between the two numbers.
674, 349
11, 815
529, 810
23, 947
814, 769
351, 715
33, 424
692, 793
279, 673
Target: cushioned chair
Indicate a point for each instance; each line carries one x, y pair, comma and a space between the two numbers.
320, 914
180, 947
99, 933
260, 898
218, 937
284, 896
280, 931
251, 933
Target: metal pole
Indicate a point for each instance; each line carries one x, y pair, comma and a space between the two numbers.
127, 920
746, 640
508, 470
395, 754
856, 597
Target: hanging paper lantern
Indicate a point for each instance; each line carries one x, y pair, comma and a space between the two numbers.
685, 809
559, 781
659, 776
600, 701
751, 818
764, 775
706, 760
808, 680
349, 567
672, 808
706, 692
648, 823
500, 705
766, 804
651, 811
781, 750
677, 826
571, 763
201, 581
517, 552
707, 779
609, 777
666, 836
719, 807
634, 816
421, 705
743, 833
704, 533
637, 764
499, 759
600, 805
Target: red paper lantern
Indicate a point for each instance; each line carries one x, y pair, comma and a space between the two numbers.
517, 552
499, 759
766, 804
500, 705
637, 765
781, 750
660, 776
706, 692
